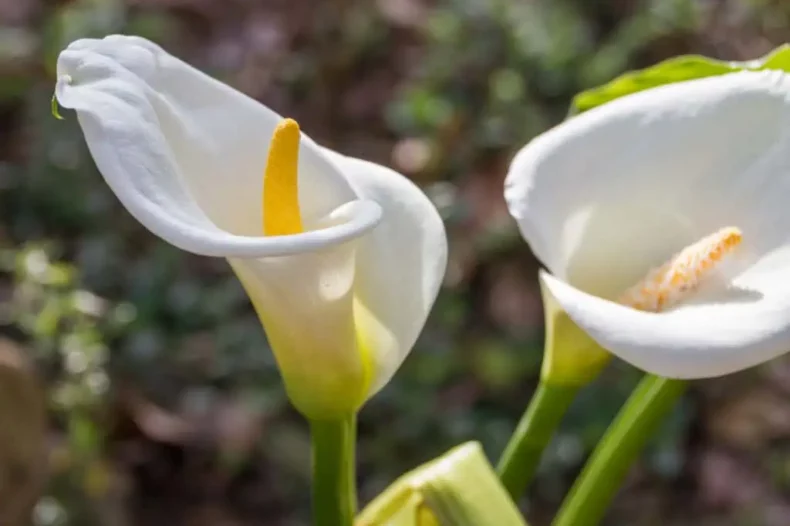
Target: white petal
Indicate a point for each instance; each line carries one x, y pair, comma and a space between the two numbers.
609, 193
186, 153
695, 341
400, 265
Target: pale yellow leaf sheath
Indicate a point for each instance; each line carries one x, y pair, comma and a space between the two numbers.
457, 489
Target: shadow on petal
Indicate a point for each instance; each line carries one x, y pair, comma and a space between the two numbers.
718, 291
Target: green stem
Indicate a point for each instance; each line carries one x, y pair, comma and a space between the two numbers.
334, 485
636, 422
522, 455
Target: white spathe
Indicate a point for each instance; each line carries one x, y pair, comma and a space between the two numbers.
607, 195
343, 302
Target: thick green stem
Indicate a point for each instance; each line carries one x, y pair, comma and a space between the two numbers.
637, 421
334, 485
522, 455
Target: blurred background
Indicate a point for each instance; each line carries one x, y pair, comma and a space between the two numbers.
162, 399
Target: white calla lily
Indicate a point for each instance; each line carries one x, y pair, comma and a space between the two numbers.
610, 194
344, 294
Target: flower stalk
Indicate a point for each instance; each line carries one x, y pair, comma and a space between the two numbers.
637, 421
334, 485
571, 360
521, 458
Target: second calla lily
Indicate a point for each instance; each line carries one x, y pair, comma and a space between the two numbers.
700, 169
341, 258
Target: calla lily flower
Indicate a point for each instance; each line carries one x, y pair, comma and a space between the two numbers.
342, 258
608, 195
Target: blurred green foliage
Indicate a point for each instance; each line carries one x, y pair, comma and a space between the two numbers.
165, 401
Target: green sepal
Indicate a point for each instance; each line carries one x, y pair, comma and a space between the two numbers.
459, 488
677, 69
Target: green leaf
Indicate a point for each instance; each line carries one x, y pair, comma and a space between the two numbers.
678, 69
